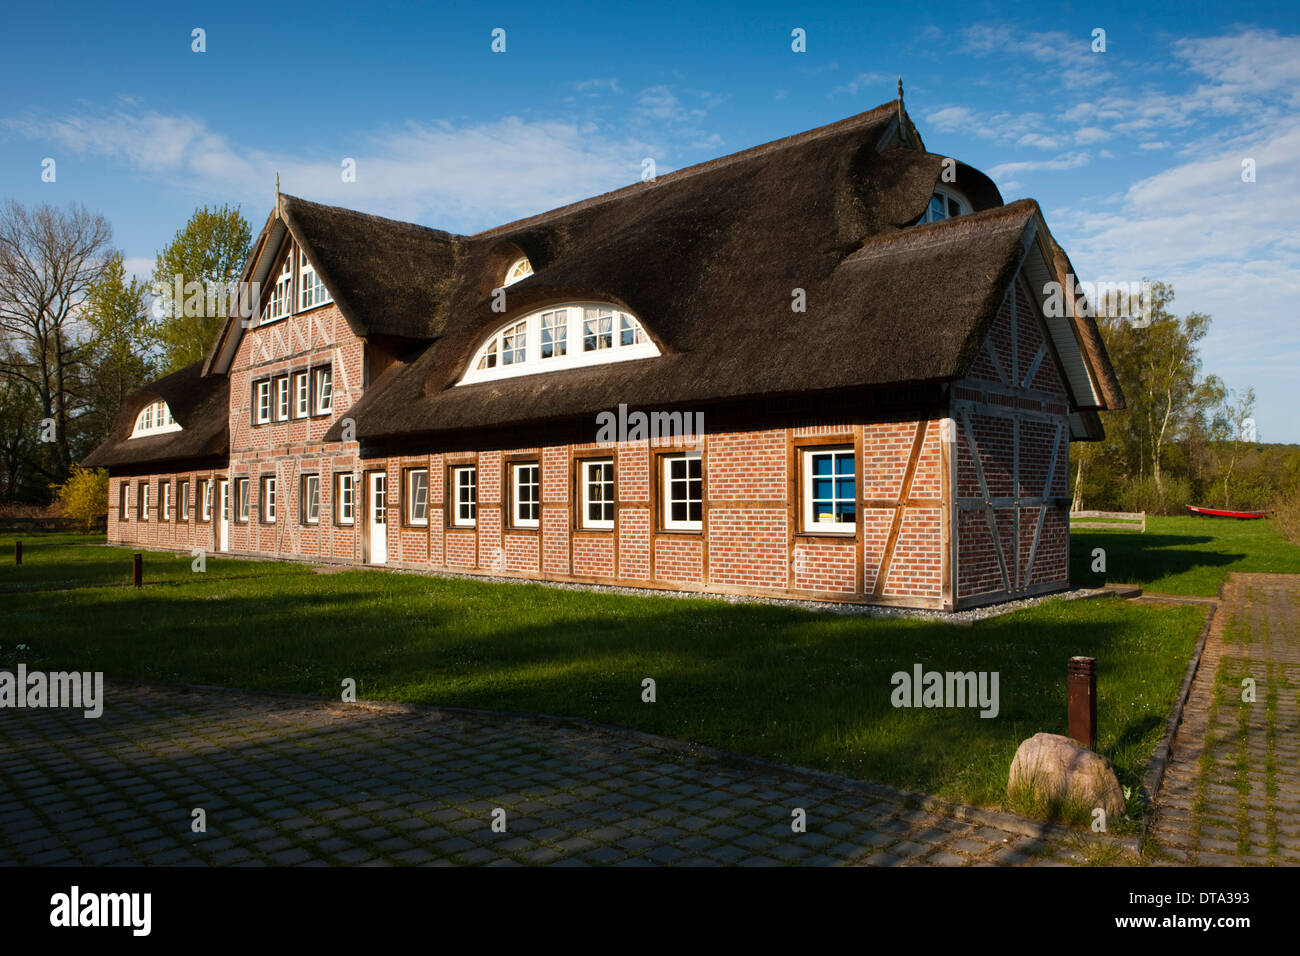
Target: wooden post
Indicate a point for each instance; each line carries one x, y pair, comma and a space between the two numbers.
137, 569
18, 552
1082, 708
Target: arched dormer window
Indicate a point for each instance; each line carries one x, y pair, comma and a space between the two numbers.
519, 269
154, 419
558, 337
945, 203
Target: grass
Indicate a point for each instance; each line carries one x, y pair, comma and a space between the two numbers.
1182, 555
806, 688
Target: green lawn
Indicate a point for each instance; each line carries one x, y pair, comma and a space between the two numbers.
806, 688
1182, 555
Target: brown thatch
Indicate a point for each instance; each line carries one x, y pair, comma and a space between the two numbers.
201, 404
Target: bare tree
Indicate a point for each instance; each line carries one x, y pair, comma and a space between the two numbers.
49, 259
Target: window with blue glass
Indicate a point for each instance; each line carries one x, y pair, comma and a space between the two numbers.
830, 491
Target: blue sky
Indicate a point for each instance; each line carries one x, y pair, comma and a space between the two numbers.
1135, 154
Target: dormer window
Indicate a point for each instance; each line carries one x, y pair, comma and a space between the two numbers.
945, 203
154, 419
519, 269
560, 337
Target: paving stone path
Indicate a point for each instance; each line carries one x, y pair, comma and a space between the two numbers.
1231, 794
293, 781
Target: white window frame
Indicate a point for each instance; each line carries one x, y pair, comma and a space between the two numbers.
262, 402
488, 363
948, 194
519, 269
311, 497
267, 499
461, 500
183, 501
586, 522
280, 302
413, 498
301, 395
810, 524
518, 520
345, 485
310, 286
281, 398
164, 501
142, 505
242, 493
667, 486
154, 419
323, 394
205, 502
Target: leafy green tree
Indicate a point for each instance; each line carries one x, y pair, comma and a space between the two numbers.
193, 281
1234, 430
123, 346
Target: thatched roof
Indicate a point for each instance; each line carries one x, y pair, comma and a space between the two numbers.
708, 259
200, 404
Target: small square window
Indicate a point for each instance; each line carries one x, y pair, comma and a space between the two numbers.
525, 495
682, 492
310, 499
345, 498
417, 496
598, 494
830, 491
464, 482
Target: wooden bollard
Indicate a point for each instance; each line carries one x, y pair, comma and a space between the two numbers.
1082, 707
18, 552
137, 569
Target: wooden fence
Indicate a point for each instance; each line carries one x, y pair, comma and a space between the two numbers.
1116, 520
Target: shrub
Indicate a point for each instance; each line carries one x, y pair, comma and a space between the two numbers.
1288, 515
84, 496
1142, 494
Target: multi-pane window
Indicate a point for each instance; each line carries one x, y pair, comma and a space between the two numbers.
312, 291
280, 300
324, 391
268, 500
183, 501
345, 496
205, 499
519, 269
142, 503
555, 333
282, 398
597, 329
301, 396
514, 348
464, 483
164, 501
944, 204
310, 495
417, 496
540, 342
241, 499
830, 491
262, 402
682, 492
598, 493
154, 419
526, 495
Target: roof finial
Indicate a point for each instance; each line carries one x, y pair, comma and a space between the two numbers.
277, 190
901, 125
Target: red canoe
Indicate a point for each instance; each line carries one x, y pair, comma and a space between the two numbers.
1216, 513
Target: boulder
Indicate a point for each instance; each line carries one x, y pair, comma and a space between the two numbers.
1063, 771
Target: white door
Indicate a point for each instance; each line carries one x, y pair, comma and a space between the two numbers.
223, 515
377, 516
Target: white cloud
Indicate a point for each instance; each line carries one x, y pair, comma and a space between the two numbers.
1038, 140
1065, 161
1086, 135
883, 82
1153, 145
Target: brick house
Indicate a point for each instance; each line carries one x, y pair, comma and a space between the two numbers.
819, 368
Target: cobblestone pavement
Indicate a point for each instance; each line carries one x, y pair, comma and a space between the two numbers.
294, 781
1232, 789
